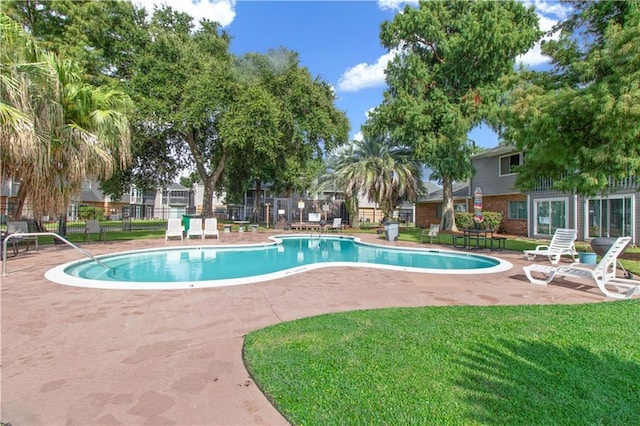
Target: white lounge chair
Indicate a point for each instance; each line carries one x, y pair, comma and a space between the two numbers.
93, 227
432, 232
337, 224
211, 228
562, 242
603, 274
195, 228
174, 229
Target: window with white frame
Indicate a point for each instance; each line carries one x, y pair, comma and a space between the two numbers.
517, 209
508, 163
611, 217
550, 214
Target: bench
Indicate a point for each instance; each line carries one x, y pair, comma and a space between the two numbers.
21, 227
12, 243
457, 239
500, 241
306, 226
226, 227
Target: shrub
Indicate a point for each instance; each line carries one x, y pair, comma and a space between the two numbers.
88, 212
491, 220
464, 220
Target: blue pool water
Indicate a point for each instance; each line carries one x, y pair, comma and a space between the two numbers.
209, 266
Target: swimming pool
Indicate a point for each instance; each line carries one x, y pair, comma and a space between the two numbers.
214, 266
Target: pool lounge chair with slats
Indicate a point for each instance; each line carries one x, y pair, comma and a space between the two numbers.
211, 228
174, 229
603, 274
195, 228
562, 243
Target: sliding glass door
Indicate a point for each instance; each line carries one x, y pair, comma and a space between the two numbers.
610, 217
550, 215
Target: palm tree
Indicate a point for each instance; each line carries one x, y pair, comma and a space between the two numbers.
28, 109
56, 130
379, 169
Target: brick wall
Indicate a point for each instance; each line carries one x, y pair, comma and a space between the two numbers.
499, 204
426, 213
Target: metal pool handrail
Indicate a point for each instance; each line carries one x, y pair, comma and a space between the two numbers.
41, 234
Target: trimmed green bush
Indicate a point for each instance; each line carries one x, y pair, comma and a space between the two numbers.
491, 220
88, 212
464, 220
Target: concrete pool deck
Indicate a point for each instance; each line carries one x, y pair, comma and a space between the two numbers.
174, 357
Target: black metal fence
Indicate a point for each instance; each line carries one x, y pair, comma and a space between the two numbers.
272, 211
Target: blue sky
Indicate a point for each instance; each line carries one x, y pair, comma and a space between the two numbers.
336, 40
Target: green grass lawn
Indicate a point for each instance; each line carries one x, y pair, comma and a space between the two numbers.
553, 364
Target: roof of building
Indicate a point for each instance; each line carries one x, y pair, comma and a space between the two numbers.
460, 190
498, 150
173, 186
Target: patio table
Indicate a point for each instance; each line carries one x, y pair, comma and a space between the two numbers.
477, 235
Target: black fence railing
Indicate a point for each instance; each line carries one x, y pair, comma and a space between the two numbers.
147, 217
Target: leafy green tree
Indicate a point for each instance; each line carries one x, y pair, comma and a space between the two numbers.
182, 90
283, 123
444, 79
29, 88
378, 168
105, 38
579, 122
60, 130
99, 35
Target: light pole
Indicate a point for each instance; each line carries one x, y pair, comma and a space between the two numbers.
267, 206
301, 207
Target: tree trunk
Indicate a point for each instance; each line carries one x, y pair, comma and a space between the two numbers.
256, 203
21, 197
62, 228
209, 180
354, 211
448, 222
207, 197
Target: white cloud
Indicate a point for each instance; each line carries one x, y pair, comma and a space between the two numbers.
221, 11
553, 8
369, 112
546, 23
364, 75
395, 4
358, 136
534, 57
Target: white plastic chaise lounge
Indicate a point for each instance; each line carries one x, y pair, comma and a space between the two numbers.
562, 242
174, 229
195, 228
211, 228
603, 274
